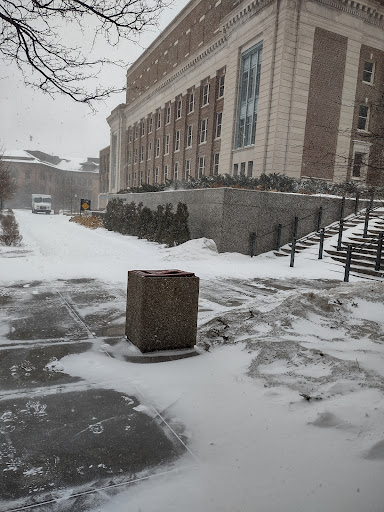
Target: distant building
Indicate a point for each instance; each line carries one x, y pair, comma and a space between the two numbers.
67, 180
246, 87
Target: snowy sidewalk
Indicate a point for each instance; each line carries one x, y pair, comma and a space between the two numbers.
62, 437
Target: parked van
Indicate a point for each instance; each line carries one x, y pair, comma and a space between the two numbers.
41, 203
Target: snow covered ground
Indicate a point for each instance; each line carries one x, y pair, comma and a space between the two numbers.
282, 411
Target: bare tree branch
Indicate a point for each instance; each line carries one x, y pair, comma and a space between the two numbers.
34, 34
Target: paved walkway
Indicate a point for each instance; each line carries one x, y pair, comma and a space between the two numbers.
63, 441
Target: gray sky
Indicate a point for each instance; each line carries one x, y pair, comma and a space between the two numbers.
33, 120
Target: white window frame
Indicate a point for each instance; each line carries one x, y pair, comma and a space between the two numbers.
165, 172
191, 102
219, 122
149, 151
150, 124
141, 153
177, 140
361, 147
176, 171
203, 130
187, 169
156, 175
206, 89
166, 149
157, 148
221, 86
366, 118
179, 109
189, 135
168, 115
371, 73
158, 120
216, 163
201, 166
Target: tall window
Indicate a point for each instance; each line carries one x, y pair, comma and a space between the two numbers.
219, 119
187, 169
135, 156
136, 131
189, 136
156, 175
158, 120
176, 171
157, 147
216, 164
206, 94
235, 169
250, 169
191, 102
221, 86
141, 153
203, 130
249, 96
177, 140
179, 105
114, 160
201, 166
362, 123
148, 176
149, 151
142, 128
168, 116
167, 144
368, 72
150, 124
141, 178
242, 169
165, 172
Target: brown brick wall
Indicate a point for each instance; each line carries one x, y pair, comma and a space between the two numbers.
373, 96
37, 178
324, 104
195, 28
194, 118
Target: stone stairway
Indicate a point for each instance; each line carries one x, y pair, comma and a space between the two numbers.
364, 250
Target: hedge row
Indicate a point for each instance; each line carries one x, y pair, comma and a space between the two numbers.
273, 182
162, 225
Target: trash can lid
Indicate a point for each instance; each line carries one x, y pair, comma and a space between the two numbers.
164, 273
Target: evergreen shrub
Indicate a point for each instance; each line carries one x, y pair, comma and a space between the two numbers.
162, 225
10, 234
269, 182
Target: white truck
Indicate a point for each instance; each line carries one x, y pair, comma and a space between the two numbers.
41, 203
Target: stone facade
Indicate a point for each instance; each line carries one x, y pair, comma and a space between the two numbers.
66, 180
229, 215
247, 87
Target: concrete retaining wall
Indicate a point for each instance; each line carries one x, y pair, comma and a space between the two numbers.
229, 215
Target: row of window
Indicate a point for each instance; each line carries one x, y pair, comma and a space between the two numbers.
48, 177
243, 167
203, 133
138, 178
168, 111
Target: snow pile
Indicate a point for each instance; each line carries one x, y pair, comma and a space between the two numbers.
192, 250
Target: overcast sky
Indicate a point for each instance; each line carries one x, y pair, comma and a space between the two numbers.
59, 126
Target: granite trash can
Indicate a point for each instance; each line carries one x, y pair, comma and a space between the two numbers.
162, 309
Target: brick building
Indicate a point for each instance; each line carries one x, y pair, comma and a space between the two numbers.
246, 87
66, 180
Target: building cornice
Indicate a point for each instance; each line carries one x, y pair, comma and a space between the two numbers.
360, 10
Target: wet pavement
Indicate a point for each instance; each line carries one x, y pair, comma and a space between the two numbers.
67, 444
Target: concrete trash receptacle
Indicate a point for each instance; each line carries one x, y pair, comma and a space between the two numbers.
162, 309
